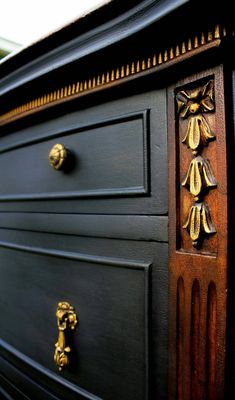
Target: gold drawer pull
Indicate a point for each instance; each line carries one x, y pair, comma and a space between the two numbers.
58, 156
66, 319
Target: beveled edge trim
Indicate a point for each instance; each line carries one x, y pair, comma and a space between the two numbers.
45, 372
130, 227
10, 372
111, 261
108, 77
128, 191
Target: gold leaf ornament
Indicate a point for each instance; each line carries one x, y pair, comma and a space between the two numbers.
193, 104
199, 223
198, 133
199, 177
200, 100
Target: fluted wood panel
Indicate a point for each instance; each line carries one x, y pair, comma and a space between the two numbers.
196, 391
211, 342
180, 337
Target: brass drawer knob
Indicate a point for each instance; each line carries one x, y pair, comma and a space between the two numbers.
58, 156
66, 320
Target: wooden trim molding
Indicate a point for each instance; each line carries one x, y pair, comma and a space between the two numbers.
198, 224
118, 73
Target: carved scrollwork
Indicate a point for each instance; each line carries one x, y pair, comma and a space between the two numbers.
199, 222
199, 177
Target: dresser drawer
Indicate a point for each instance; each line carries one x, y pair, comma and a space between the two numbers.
109, 347
111, 151
105, 159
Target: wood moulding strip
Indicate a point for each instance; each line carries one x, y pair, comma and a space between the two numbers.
108, 77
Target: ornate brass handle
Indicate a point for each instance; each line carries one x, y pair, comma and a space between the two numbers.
66, 319
58, 156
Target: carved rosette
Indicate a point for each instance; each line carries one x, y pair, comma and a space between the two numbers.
199, 178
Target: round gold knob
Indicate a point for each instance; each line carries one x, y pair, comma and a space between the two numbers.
58, 156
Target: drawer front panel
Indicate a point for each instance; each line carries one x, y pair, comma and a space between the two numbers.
108, 159
110, 296
118, 160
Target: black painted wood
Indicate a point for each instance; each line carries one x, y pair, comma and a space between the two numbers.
134, 227
102, 163
111, 148
98, 249
99, 36
37, 381
95, 234
30, 390
110, 348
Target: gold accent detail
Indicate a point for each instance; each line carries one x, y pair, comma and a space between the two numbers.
122, 72
119, 72
203, 40
58, 156
199, 177
198, 133
199, 222
196, 42
192, 104
217, 32
189, 45
210, 36
66, 319
160, 61
165, 56
138, 67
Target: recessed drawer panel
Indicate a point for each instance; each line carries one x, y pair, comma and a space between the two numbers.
109, 347
104, 159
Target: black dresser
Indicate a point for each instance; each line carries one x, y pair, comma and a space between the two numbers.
116, 207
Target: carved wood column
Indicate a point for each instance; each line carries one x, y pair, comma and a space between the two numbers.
197, 237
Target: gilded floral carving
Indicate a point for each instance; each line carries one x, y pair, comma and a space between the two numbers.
199, 177
199, 222
192, 105
198, 133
